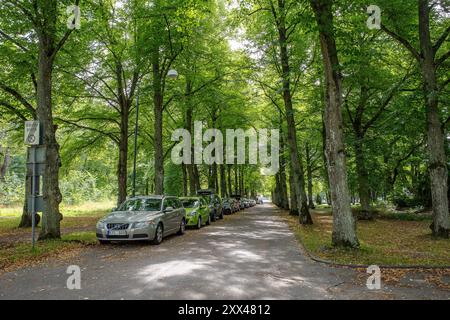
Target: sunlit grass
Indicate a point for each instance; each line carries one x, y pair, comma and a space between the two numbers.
382, 242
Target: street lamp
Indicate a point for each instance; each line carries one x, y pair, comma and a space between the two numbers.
172, 74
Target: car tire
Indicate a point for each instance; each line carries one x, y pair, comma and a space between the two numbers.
158, 234
199, 222
182, 229
208, 222
213, 217
104, 241
221, 215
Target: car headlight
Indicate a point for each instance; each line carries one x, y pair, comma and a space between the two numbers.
192, 213
100, 225
142, 224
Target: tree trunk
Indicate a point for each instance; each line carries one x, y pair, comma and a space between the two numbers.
293, 207
435, 134
366, 212
188, 126
344, 227
223, 182
298, 173
309, 172
158, 124
185, 182
122, 166
230, 190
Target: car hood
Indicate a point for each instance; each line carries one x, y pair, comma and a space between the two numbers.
130, 216
189, 210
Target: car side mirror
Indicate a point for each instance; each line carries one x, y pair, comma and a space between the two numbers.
168, 209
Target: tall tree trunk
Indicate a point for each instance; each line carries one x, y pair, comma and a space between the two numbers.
236, 181
223, 181
344, 226
50, 183
293, 207
363, 181
158, 124
122, 166
188, 126
230, 190
436, 138
185, 182
309, 172
298, 173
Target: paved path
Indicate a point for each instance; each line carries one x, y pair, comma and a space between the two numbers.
249, 255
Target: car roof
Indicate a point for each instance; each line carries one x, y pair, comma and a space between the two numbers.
160, 197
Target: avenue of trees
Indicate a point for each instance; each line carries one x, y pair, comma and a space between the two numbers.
363, 112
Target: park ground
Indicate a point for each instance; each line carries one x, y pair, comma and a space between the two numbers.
259, 253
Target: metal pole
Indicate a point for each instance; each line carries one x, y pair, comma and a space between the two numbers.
135, 143
33, 197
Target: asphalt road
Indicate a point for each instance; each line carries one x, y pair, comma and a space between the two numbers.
249, 255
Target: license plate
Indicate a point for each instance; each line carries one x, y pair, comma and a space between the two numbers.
117, 232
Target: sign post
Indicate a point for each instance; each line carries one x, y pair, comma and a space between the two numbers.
32, 138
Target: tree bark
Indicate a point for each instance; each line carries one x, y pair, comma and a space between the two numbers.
344, 227
158, 124
298, 172
293, 207
309, 172
363, 181
435, 134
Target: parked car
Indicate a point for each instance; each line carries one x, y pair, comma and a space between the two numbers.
197, 211
242, 203
148, 218
259, 200
214, 203
235, 205
227, 206
252, 202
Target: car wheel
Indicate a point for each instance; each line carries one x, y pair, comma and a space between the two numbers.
208, 222
221, 215
158, 234
213, 218
199, 222
104, 241
182, 229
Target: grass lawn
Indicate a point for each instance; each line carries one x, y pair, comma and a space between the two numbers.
77, 228
384, 241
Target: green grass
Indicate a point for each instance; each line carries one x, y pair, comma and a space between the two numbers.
22, 254
78, 231
382, 242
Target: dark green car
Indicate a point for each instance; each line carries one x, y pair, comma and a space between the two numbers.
197, 211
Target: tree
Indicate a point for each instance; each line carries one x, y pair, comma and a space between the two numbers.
429, 62
344, 227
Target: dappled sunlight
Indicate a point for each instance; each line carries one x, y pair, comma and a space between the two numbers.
169, 269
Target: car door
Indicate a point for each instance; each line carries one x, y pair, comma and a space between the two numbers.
167, 216
173, 215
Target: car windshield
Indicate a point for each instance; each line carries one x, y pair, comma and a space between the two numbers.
190, 203
141, 205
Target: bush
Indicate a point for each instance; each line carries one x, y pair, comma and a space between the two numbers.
12, 189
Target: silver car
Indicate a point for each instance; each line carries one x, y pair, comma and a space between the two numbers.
148, 218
